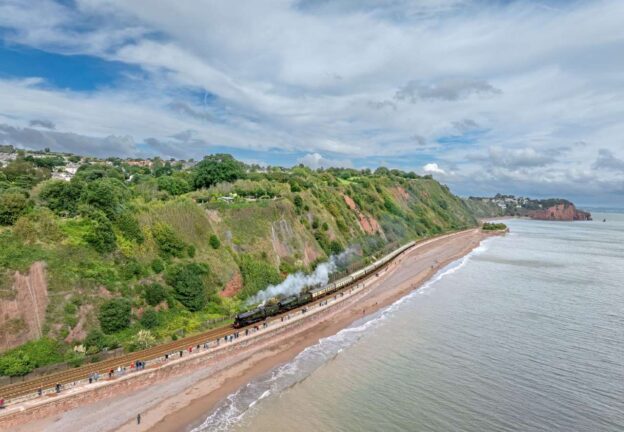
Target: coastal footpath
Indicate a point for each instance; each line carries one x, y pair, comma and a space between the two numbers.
180, 392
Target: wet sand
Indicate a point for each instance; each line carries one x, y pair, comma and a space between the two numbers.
185, 398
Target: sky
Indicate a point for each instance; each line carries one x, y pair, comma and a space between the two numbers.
522, 97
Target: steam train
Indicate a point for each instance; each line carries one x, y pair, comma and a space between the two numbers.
291, 302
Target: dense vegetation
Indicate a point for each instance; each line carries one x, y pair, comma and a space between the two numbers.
137, 253
491, 226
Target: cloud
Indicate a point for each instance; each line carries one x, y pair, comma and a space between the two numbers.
42, 123
608, 161
519, 157
67, 142
433, 168
362, 81
447, 90
315, 161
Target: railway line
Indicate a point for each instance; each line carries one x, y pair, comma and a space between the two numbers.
47, 383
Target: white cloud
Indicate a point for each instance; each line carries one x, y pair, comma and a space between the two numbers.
433, 168
315, 161
490, 91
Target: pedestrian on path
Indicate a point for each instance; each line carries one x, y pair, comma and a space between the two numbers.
139, 418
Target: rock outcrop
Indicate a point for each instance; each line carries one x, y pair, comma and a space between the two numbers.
561, 212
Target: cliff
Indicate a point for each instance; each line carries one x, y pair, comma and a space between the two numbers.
560, 212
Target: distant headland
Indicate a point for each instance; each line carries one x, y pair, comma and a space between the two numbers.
556, 209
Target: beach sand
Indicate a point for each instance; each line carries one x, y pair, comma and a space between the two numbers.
185, 392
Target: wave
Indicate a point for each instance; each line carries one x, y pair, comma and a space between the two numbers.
245, 400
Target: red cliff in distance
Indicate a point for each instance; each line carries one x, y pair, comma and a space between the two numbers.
560, 212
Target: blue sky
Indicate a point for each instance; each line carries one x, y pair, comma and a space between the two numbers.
519, 97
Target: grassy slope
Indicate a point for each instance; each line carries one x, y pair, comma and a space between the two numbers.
405, 209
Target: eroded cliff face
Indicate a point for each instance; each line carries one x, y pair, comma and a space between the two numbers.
561, 212
22, 310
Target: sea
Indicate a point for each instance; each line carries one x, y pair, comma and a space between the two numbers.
524, 334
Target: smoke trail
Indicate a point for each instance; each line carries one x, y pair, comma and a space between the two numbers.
296, 282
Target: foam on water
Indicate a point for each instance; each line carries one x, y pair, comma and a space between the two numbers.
243, 401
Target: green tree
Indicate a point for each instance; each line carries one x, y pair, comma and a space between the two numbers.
188, 282
157, 265
150, 318
62, 197
95, 341
12, 205
167, 241
298, 201
154, 294
114, 315
173, 185
101, 235
108, 195
130, 228
214, 241
257, 274
217, 168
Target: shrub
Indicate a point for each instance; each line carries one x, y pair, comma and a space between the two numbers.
158, 265
154, 294
257, 275
191, 251
130, 228
298, 201
173, 185
12, 205
150, 318
167, 240
214, 241
95, 341
62, 197
114, 315
31, 355
101, 235
188, 283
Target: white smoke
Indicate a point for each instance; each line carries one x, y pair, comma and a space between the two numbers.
295, 283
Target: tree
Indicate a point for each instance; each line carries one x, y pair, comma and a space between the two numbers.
154, 294
214, 241
150, 318
108, 195
173, 185
167, 241
217, 168
12, 205
62, 197
101, 236
298, 201
144, 339
188, 282
157, 265
114, 315
95, 341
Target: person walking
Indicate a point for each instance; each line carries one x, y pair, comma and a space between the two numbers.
139, 418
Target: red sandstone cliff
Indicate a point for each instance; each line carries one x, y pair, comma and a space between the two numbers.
560, 212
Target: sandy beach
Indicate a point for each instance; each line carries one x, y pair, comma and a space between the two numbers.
180, 394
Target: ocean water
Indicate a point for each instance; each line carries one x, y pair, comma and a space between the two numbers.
524, 334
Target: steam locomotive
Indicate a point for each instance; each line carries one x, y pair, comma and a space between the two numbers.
276, 307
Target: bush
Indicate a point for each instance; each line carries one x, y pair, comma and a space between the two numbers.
12, 205
130, 228
108, 195
62, 197
335, 247
167, 241
150, 319
214, 241
257, 275
101, 236
188, 282
173, 185
298, 201
157, 265
31, 355
114, 315
95, 341
488, 226
154, 294
191, 251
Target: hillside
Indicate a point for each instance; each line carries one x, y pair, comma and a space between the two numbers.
127, 253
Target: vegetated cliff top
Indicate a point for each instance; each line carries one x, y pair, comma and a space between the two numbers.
170, 246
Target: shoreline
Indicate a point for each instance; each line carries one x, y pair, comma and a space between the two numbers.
191, 389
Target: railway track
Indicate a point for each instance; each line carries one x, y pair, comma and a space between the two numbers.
19, 389
16, 390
